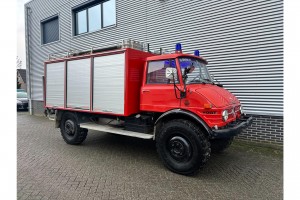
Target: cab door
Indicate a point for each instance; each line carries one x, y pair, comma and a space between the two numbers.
157, 92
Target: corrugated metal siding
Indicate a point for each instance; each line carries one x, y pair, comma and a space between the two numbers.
242, 40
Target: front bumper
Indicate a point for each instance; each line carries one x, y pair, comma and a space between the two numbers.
232, 129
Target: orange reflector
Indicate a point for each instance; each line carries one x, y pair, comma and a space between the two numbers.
207, 105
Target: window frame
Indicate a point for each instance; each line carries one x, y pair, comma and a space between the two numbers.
206, 71
48, 19
176, 81
102, 18
76, 22
85, 6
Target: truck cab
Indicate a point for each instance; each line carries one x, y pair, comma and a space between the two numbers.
182, 81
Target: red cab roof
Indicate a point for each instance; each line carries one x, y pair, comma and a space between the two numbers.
173, 56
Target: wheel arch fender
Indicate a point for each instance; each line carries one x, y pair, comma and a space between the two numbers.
181, 114
58, 117
59, 114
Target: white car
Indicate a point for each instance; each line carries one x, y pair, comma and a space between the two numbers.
22, 101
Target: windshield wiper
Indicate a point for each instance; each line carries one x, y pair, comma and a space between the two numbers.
208, 80
212, 82
203, 81
197, 80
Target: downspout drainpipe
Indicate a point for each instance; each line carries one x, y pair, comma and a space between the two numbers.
29, 88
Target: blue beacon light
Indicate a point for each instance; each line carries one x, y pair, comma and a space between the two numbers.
197, 53
178, 48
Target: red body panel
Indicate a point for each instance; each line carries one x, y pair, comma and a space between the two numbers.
215, 96
133, 79
158, 98
218, 96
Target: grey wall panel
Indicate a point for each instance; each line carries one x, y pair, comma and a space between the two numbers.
109, 72
242, 40
78, 83
55, 84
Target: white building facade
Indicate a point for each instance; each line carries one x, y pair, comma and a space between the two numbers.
242, 41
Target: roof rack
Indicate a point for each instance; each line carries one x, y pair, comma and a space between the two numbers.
128, 43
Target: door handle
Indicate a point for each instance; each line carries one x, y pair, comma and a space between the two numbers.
145, 90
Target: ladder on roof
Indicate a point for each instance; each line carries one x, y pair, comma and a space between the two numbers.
128, 43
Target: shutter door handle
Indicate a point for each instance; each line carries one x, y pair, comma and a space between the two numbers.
145, 91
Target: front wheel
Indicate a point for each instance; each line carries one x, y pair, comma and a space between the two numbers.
70, 130
182, 146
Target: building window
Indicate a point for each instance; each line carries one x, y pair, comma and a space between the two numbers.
94, 16
50, 30
156, 73
81, 22
109, 13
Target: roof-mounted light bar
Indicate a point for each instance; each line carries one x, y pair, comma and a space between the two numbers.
197, 53
178, 48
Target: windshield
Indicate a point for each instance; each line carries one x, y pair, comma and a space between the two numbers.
196, 71
21, 95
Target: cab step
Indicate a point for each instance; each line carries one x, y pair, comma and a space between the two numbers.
114, 130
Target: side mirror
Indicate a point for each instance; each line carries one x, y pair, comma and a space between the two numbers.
171, 73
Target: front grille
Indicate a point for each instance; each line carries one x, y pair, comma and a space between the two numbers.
233, 112
237, 108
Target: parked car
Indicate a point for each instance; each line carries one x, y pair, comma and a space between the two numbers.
22, 101
21, 90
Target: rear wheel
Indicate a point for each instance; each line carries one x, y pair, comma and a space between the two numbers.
182, 147
219, 145
70, 130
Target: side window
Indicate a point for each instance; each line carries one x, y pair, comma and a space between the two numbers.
50, 30
156, 73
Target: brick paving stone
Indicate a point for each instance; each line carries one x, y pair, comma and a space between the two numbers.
107, 166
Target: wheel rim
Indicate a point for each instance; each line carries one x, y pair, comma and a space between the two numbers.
179, 148
70, 128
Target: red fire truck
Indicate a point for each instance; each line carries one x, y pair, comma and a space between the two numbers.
122, 89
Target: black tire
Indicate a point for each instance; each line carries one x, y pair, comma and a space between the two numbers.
70, 130
182, 146
219, 145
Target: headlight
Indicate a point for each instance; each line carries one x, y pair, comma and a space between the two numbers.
19, 102
241, 109
225, 115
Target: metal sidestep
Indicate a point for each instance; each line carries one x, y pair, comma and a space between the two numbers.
119, 131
